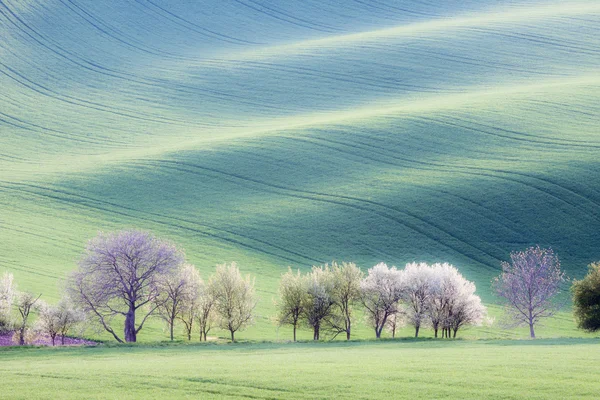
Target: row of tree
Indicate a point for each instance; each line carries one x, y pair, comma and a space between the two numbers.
328, 298
16, 309
126, 277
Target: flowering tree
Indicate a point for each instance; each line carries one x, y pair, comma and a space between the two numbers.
381, 291
453, 303
417, 289
293, 292
529, 285
119, 274
320, 299
58, 320
178, 288
346, 293
234, 298
7, 297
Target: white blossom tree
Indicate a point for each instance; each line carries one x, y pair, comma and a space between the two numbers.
381, 291
417, 289
58, 320
234, 297
453, 303
320, 298
7, 297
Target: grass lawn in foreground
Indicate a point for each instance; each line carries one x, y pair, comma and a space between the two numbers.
410, 369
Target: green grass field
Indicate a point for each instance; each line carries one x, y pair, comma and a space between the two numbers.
401, 369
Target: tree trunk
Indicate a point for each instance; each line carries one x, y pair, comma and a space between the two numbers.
316, 332
417, 330
171, 325
294, 332
232, 337
531, 332
348, 329
378, 332
130, 334
62, 339
435, 332
455, 330
53, 337
205, 336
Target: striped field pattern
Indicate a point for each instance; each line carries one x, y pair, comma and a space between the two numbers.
280, 133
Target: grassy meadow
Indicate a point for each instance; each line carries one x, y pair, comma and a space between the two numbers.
405, 369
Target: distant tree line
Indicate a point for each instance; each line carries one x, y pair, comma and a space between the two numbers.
126, 277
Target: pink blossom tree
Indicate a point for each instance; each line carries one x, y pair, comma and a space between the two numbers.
529, 285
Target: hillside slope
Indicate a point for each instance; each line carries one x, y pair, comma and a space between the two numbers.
281, 133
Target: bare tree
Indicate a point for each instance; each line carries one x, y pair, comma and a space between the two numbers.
417, 290
529, 285
346, 293
178, 291
381, 291
119, 274
234, 298
319, 299
293, 292
24, 303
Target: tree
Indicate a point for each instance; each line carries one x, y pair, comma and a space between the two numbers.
319, 299
24, 302
58, 320
7, 297
586, 299
190, 305
444, 288
206, 308
466, 310
234, 298
529, 285
293, 292
381, 291
119, 274
346, 292
178, 290
394, 322
417, 290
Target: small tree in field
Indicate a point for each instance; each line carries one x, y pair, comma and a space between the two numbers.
178, 291
189, 307
59, 319
381, 291
320, 299
293, 292
529, 285
25, 303
234, 298
417, 289
120, 275
7, 297
586, 299
206, 315
346, 293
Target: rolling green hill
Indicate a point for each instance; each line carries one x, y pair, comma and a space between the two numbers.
293, 133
